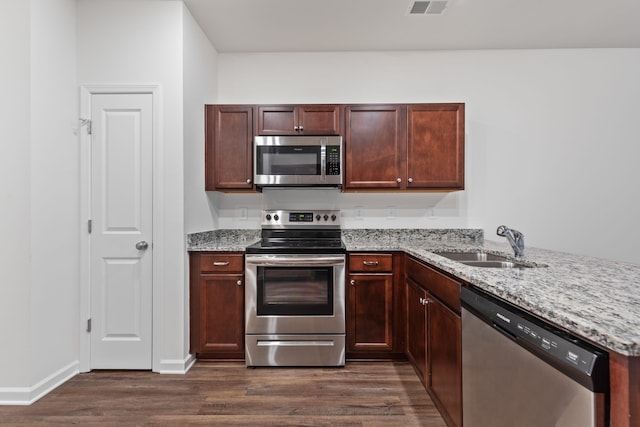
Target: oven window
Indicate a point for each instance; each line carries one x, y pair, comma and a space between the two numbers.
288, 160
295, 291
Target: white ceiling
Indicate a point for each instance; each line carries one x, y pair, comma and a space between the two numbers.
365, 25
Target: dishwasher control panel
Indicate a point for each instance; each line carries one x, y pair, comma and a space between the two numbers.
559, 347
565, 350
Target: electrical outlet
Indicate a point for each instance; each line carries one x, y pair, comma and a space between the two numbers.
391, 212
243, 214
359, 212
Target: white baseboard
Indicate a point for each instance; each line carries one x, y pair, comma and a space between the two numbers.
28, 395
177, 366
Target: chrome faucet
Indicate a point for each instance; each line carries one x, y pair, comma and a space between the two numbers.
515, 238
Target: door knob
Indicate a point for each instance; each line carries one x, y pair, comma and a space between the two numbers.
142, 245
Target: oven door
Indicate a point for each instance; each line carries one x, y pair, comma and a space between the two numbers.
295, 294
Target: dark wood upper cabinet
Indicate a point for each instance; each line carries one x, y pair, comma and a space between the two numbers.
435, 146
228, 147
374, 146
299, 120
404, 147
388, 147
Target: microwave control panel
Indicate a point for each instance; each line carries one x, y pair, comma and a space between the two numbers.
333, 160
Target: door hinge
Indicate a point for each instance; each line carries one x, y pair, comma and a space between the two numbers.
86, 122
89, 226
88, 325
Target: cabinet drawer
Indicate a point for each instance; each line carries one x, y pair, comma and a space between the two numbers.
221, 263
370, 263
437, 284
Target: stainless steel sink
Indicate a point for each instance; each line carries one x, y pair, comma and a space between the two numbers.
485, 260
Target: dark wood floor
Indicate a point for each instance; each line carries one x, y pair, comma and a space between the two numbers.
229, 394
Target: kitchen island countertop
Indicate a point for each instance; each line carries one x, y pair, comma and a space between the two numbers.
591, 297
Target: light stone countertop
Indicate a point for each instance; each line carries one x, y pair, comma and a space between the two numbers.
222, 240
594, 298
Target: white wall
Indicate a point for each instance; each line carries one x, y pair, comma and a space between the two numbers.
138, 41
15, 201
200, 88
54, 190
39, 198
550, 136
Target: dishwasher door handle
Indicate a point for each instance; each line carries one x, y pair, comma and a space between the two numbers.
504, 332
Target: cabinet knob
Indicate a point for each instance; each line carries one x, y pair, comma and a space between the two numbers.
239, 282
410, 180
352, 282
301, 128
296, 128
398, 180
249, 181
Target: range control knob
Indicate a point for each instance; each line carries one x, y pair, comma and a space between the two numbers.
276, 217
326, 217
268, 217
333, 217
318, 217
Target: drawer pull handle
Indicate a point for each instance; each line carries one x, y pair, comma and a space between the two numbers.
220, 263
370, 263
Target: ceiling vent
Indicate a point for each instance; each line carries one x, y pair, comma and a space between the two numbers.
427, 7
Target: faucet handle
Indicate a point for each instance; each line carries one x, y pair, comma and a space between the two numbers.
501, 230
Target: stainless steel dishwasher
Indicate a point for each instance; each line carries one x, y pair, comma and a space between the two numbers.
520, 371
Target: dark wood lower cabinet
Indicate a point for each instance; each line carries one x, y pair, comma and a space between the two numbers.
445, 361
417, 329
370, 312
434, 336
374, 297
217, 305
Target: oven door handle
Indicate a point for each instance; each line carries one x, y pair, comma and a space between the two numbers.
281, 261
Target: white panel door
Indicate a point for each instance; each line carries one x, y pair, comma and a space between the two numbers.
121, 246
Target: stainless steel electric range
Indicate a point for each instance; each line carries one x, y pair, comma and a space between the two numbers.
295, 291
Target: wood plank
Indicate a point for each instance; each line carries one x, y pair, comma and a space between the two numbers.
372, 394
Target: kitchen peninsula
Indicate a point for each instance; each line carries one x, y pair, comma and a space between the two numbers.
593, 298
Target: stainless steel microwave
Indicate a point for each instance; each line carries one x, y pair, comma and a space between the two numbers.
297, 161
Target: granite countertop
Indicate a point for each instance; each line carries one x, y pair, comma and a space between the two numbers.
591, 297
222, 240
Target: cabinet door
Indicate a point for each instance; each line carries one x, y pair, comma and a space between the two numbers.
277, 120
445, 361
435, 146
221, 315
228, 147
370, 312
299, 120
374, 147
417, 329
319, 120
